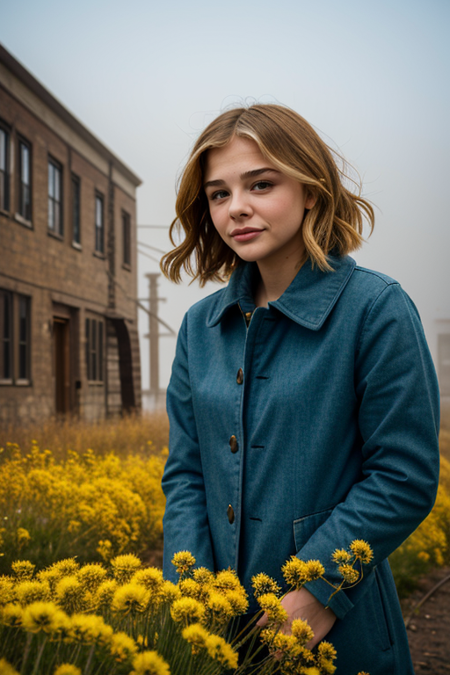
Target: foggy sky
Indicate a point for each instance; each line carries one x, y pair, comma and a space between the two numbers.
146, 77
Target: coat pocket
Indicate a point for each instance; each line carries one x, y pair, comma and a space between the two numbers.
305, 527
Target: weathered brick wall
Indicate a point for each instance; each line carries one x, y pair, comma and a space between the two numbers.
50, 269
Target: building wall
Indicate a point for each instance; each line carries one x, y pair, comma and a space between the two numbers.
63, 279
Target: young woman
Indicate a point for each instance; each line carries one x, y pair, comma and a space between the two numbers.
303, 401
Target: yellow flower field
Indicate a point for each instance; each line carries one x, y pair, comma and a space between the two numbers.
88, 505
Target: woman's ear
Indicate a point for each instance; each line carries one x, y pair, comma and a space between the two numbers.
310, 200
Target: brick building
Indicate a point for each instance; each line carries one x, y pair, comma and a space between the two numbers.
68, 321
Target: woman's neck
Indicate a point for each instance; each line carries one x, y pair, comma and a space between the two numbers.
274, 280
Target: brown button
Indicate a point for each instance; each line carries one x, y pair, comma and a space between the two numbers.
240, 376
234, 444
230, 514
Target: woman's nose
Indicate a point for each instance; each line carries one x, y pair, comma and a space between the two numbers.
239, 206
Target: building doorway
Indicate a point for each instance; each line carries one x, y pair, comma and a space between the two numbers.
61, 365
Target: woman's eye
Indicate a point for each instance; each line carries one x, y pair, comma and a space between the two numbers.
261, 185
220, 194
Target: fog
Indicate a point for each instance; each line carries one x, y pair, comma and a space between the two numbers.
146, 77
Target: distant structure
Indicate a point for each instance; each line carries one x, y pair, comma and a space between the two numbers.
68, 277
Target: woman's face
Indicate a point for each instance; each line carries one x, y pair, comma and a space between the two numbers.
256, 209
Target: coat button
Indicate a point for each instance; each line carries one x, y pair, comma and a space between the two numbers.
234, 447
230, 514
240, 376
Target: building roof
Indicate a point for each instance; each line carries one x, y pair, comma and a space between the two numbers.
21, 73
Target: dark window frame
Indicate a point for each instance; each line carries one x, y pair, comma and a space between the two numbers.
75, 186
55, 200
94, 350
4, 172
23, 338
99, 226
24, 192
6, 337
17, 345
126, 239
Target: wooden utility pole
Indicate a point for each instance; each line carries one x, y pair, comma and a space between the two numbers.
153, 330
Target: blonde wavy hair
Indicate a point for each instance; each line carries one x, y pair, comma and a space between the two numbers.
333, 225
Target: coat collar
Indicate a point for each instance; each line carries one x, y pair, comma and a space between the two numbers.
308, 300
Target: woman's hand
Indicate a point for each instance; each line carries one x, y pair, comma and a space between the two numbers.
303, 605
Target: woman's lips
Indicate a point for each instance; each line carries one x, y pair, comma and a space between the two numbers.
245, 234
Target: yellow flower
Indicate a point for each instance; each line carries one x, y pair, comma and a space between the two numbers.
104, 548
67, 669
11, 615
295, 572
122, 647
90, 629
314, 570
326, 650
7, 590
23, 537
169, 592
187, 610
92, 575
203, 576
124, 566
263, 584
226, 580
311, 671
273, 608
61, 627
105, 592
348, 573
267, 635
361, 550
220, 650
6, 668
220, 607
183, 561
238, 601
65, 567
190, 588
32, 591
341, 556
69, 594
302, 631
40, 616
23, 569
150, 663
151, 578
129, 599
287, 644
196, 635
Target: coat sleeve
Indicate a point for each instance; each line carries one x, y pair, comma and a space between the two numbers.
397, 393
185, 520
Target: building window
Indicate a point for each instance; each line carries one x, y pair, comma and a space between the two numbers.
4, 163
24, 338
6, 335
94, 350
99, 224
15, 334
24, 180
76, 210
55, 224
126, 235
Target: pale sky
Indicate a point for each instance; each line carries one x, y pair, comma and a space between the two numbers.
146, 77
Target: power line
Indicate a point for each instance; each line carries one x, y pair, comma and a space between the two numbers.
156, 227
147, 255
153, 248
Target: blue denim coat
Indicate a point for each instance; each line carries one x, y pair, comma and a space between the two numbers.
315, 425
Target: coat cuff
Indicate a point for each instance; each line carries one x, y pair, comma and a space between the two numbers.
339, 603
